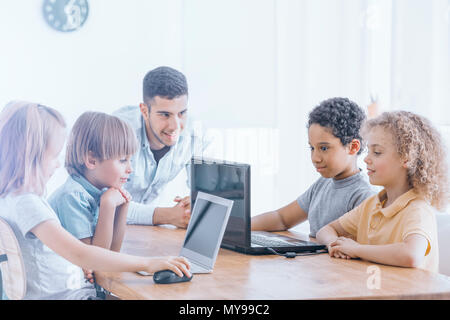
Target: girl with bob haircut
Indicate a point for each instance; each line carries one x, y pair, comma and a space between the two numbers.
32, 136
397, 226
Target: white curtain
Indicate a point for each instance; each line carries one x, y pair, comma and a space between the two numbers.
278, 59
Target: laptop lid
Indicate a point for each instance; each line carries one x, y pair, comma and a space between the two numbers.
205, 230
230, 180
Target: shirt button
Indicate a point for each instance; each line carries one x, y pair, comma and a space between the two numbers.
373, 223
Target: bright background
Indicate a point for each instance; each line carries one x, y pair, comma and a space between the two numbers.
255, 69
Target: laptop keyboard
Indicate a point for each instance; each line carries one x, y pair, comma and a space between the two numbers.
264, 241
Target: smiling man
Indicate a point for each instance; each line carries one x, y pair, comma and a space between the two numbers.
165, 147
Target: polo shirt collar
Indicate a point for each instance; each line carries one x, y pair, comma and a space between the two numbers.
399, 204
89, 187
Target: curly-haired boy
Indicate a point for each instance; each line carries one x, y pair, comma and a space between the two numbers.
335, 142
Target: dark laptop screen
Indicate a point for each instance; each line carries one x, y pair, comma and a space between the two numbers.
230, 181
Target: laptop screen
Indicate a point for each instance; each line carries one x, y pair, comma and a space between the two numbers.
231, 181
205, 230
205, 227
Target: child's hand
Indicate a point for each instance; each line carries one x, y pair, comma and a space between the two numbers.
344, 248
179, 265
334, 253
89, 275
113, 197
125, 194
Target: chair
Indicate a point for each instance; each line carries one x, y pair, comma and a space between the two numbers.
443, 230
12, 270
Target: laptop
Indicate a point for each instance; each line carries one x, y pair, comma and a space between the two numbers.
231, 180
205, 231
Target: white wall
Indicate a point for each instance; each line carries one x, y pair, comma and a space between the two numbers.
255, 68
101, 66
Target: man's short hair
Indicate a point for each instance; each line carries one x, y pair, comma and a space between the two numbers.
342, 116
164, 82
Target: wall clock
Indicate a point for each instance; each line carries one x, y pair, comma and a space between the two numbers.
65, 15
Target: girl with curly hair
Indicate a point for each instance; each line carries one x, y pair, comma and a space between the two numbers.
397, 226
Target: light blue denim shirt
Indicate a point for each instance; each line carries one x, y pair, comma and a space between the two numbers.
77, 204
149, 178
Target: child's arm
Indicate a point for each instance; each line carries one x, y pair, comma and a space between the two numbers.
109, 201
64, 244
329, 234
409, 253
281, 219
120, 222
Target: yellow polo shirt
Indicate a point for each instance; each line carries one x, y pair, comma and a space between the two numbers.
409, 214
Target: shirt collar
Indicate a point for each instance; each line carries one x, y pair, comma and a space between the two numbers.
89, 187
342, 183
144, 139
399, 204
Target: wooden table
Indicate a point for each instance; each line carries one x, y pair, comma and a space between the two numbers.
238, 276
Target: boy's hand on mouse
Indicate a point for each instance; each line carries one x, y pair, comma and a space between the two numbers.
113, 197
344, 248
179, 265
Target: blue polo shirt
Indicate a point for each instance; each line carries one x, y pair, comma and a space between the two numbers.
77, 204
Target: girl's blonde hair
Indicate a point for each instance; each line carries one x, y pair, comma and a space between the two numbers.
420, 144
25, 131
106, 136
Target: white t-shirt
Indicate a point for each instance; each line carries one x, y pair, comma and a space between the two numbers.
49, 276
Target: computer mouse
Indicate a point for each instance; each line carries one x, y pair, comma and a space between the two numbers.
168, 276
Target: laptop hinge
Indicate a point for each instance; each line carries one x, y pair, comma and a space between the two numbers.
199, 263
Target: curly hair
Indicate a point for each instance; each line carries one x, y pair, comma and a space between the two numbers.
420, 144
343, 116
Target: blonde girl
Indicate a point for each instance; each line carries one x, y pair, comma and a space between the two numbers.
31, 138
396, 227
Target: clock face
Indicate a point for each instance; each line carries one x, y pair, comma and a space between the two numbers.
65, 15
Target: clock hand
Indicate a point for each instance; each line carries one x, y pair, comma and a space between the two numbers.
73, 14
